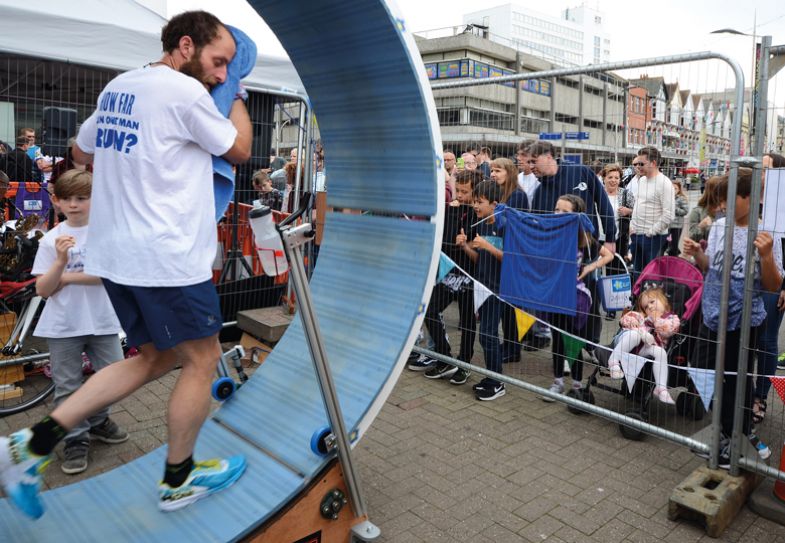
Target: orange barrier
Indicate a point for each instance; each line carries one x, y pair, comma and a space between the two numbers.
245, 240
779, 486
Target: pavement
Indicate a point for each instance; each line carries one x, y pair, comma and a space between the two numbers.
439, 466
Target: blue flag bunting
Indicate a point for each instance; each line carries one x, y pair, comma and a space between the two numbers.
704, 383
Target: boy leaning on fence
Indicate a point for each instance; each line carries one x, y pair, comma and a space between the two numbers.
78, 316
768, 274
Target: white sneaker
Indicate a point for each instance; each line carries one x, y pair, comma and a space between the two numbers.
557, 388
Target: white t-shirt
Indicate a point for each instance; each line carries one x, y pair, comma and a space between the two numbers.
152, 213
75, 310
528, 184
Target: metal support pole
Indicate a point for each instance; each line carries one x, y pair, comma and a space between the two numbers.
305, 113
518, 95
581, 91
761, 83
293, 240
552, 117
604, 111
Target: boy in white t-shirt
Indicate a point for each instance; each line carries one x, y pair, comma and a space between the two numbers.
78, 316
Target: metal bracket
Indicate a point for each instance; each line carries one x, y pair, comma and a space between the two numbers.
745, 161
365, 531
297, 236
332, 503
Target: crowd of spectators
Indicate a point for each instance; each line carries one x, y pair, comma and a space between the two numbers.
637, 215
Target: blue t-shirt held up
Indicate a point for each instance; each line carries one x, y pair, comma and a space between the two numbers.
538, 271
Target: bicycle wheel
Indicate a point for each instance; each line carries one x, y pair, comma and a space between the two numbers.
24, 384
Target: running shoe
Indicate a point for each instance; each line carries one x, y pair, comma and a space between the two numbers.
20, 472
441, 370
423, 363
206, 478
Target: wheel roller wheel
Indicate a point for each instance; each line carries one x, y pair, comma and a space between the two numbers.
223, 388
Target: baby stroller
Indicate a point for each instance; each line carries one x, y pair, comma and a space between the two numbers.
683, 285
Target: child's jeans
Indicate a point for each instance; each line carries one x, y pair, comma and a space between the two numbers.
490, 316
65, 356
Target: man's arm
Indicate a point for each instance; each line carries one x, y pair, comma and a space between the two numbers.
241, 149
77, 155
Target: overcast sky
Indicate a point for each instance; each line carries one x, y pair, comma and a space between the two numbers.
638, 29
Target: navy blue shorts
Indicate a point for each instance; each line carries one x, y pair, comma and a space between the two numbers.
166, 316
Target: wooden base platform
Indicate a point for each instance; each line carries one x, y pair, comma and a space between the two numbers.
303, 522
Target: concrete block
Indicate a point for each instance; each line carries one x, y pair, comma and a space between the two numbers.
711, 497
266, 323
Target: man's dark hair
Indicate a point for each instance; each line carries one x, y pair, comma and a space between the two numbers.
473, 177
485, 150
650, 153
490, 190
21, 140
272, 152
542, 148
524, 146
201, 26
777, 160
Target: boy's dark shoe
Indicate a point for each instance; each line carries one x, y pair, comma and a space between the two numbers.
423, 363
109, 432
440, 371
491, 392
460, 377
75, 456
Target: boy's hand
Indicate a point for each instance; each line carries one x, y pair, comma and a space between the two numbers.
691, 247
460, 239
764, 243
62, 244
706, 222
480, 243
455, 203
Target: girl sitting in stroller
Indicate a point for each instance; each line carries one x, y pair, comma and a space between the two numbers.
647, 332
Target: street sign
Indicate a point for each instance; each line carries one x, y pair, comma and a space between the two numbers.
566, 135
572, 158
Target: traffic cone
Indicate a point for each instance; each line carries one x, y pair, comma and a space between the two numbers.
779, 486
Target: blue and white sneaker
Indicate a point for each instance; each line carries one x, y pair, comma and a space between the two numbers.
763, 450
206, 478
20, 472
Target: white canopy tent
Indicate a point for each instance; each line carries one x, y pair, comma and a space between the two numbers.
118, 34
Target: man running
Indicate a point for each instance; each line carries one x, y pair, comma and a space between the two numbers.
152, 240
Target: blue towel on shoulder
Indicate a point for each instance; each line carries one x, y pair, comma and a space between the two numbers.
223, 95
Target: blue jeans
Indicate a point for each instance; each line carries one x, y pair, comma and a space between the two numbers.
490, 315
644, 250
767, 345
